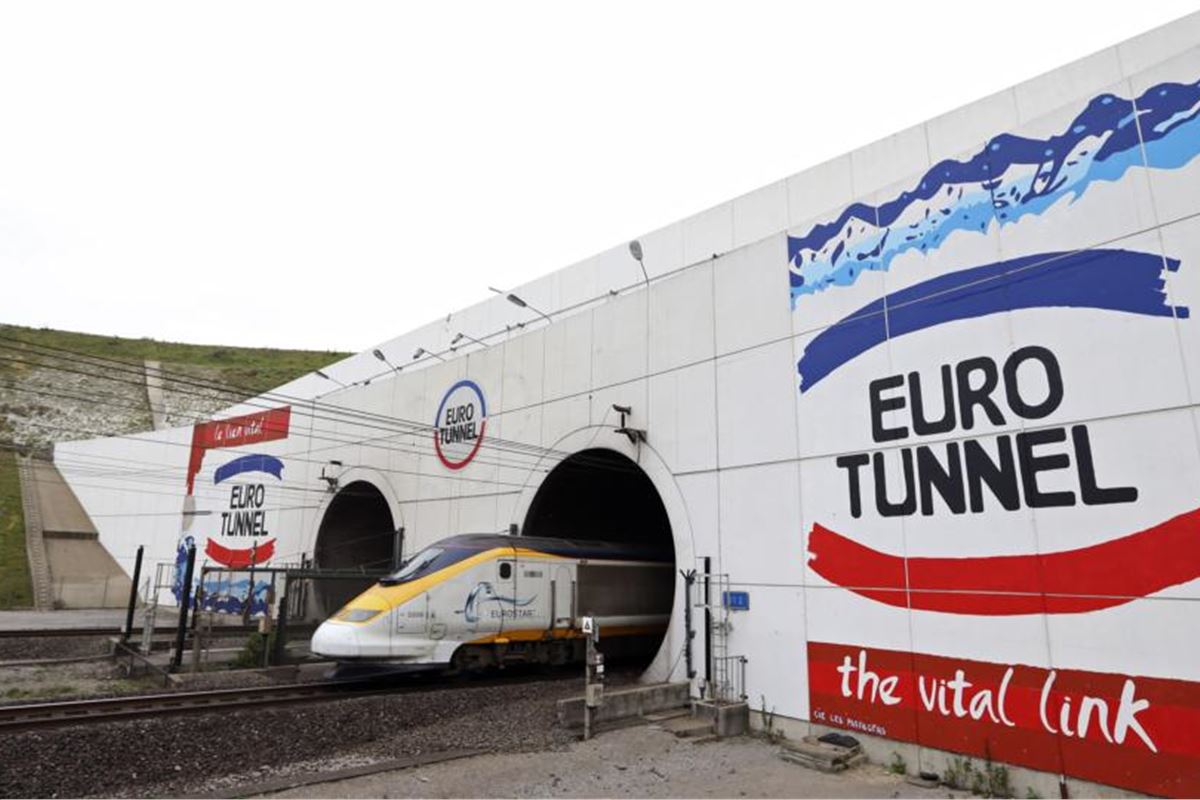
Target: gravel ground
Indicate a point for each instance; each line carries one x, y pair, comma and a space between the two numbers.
92, 679
35, 684
640, 761
186, 402
168, 757
29, 647
37, 415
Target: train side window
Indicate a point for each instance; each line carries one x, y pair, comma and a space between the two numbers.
505, 570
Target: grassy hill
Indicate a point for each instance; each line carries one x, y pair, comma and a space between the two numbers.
53, 388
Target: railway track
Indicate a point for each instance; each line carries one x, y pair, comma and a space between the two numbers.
166, 630
28, 716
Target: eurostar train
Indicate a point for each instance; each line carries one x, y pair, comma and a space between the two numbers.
475, 601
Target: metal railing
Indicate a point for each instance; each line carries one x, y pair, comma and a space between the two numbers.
729, 679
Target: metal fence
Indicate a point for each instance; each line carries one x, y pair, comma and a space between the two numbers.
729, 679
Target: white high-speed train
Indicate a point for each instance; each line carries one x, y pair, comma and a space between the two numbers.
482, 600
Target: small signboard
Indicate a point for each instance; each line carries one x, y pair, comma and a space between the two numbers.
737, 601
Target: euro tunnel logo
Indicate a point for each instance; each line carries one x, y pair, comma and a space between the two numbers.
460, 424
247, 512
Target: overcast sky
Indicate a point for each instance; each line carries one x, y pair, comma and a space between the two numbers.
331, 175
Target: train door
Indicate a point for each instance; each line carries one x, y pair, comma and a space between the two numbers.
411, 618
562, 592
436, 627
505, 601
533, 608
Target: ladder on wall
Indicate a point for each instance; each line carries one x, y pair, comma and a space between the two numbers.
726, 673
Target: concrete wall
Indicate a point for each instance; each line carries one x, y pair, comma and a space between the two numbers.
1049, 228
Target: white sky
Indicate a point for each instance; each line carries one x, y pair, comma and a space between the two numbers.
331, 175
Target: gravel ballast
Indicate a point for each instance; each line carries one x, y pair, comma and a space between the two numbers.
21, 648
170, 756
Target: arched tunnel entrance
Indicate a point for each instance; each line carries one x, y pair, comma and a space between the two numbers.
357, 532
601, 495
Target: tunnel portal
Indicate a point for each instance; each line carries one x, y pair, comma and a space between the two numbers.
602, 495
357, 532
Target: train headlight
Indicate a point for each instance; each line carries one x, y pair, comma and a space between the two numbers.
357, 614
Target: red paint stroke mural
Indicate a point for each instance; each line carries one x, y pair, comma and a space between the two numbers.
1066, 582
263, 426
1134, 732
240, 557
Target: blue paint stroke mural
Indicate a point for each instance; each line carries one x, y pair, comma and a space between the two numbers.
1010, 178
1113, 280
221, 591
252, 463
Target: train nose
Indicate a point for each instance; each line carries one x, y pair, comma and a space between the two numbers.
334, 640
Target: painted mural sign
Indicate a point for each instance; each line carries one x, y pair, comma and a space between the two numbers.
232, 512
1007, 508
460, 424
1107, 728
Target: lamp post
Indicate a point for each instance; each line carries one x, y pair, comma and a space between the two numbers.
458, 337
635, 250
379, 354
421, 351
320, 374
517, 301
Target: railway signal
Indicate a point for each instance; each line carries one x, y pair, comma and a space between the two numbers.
593, 674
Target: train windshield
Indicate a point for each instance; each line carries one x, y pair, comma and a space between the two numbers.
429, 560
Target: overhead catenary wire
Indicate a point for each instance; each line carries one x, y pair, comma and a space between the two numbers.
336, 441
238, 393
297, 411
140, 370
136, 514
321, 433
523, 456
142, 439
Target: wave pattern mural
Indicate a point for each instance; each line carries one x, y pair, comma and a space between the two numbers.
1011, 177
1113, 280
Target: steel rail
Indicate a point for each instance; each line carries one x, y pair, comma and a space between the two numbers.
27, 716
53, 633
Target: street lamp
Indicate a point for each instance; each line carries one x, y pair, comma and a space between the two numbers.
517, 301
421, 351
320, 374
458, 337
635, 250
379, 354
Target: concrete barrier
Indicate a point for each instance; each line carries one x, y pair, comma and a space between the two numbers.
622, 703
728, 719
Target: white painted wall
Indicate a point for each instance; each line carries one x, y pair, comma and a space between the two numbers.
707, 355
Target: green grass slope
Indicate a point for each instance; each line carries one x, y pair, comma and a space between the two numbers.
255, 368
23, 352
15, 588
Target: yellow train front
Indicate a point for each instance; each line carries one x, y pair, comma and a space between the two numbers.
481, 600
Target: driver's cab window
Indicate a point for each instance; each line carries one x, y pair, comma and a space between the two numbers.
506, 570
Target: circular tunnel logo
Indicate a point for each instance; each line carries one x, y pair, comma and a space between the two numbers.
459, 426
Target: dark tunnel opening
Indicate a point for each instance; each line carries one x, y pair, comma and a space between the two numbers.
357, 532
600, 494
